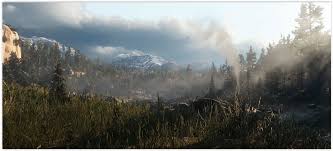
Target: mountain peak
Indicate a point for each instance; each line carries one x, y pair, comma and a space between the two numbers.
138, 59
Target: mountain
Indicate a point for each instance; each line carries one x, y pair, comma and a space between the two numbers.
140, 60
133, 59
45, 42
45, 53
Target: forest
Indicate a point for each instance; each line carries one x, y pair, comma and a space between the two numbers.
280, 98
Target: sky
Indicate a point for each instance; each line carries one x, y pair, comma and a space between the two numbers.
178, 31
260, 21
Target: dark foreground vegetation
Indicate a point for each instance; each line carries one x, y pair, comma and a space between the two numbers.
30, 120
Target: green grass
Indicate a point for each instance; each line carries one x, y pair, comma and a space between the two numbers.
29, 121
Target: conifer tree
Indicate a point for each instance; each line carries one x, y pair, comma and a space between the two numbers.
213, 69
251, 60
188, 68
57, 85
12, 69
309, 27
189, 71
260, 61
242, 62
211, 91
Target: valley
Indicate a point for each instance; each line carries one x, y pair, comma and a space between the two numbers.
112, 92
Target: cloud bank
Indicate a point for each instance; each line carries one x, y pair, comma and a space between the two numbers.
185, 41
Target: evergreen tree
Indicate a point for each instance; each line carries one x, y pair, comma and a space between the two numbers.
251, 59
221, 70
12, 70
309, 27
308, 37
31, 64
269, 49
260, 61
77, 59
188, 68
55, 55
57, 85
242, 62
211, 91
226, 70
68, 57
272, 81
189, 71
213, 69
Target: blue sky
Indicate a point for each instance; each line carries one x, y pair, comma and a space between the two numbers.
177, 31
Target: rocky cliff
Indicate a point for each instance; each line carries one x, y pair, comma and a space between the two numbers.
10, 43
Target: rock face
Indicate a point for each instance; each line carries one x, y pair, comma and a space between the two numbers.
10, 43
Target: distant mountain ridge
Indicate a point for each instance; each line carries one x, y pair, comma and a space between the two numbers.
133, 59
140, 60
48, 42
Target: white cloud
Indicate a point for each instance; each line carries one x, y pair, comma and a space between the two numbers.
171, 38
37, 15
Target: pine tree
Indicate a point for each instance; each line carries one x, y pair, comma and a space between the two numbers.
189, 71
68, 58
213, 69
251, 60
211, 91
57, 85
55, 54
309, 27
221, 70
188, 68
225, 69
12, 69
242, 62
260, 61
77, 60
269, 49
308, 37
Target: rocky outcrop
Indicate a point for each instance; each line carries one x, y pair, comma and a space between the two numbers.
10, 43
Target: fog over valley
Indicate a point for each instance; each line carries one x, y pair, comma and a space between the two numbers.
172, 75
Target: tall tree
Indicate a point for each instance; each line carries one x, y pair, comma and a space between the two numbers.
55, 54
57, 86
251, 59
242, 62
188, 68
211, 91
226, 69
260, 61
77, 59
213, 69
188, 71
309, 26
12, 69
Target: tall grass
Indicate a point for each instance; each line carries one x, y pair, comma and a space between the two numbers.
30, 121
238, 128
